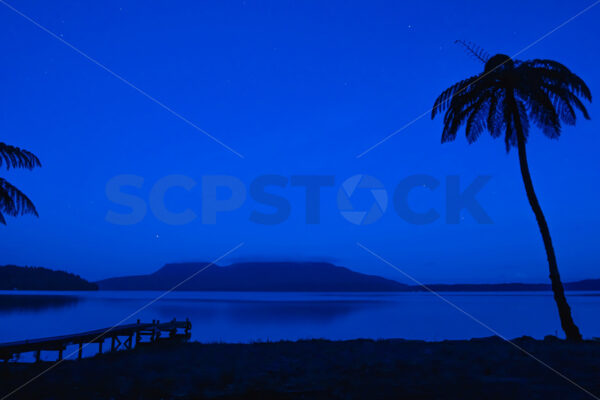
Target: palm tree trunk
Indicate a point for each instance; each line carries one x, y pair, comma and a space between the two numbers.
564, 311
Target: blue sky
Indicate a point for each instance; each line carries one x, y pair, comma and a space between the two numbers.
297, 88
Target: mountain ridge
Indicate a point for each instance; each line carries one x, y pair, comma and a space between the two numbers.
253, 276
13, 277
300, 277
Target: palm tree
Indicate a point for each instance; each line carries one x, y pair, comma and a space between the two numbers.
503, 99
12, 201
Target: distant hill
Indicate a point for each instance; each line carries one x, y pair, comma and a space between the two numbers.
257, 276
36, 278
298, 277
588, 284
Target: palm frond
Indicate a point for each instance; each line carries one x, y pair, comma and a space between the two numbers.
476, 123
542, 112
452, 122
13, 202
522, 110
510, 93
563, 107
555, 73
561, 93
16, 157
443, 100
510, 134
495, 120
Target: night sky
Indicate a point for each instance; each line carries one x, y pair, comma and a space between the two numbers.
297, 88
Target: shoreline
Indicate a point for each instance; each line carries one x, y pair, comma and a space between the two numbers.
487, 368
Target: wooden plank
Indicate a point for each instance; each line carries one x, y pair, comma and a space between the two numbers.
154, 329
84, 336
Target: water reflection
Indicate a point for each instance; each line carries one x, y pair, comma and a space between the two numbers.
246, 317
257, 312
19, 303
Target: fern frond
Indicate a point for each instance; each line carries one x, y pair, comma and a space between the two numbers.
474, 50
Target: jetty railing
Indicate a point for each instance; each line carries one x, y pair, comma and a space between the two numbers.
121, 336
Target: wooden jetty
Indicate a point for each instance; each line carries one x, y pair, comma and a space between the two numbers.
121, 336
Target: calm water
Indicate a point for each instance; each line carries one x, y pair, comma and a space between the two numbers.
244, 317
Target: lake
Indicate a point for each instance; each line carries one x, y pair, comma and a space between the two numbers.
251, 316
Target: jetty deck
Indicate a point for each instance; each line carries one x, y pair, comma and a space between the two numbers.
121, 337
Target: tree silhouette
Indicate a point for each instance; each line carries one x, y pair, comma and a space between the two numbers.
503, 99
12, 201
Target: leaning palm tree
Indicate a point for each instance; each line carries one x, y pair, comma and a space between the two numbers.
12, 201
504, 99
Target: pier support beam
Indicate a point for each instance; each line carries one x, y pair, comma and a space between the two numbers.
188, 327
129, 342
121, 336
138, 337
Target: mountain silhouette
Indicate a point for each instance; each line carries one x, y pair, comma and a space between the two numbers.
299, 277
13, 277
255, 276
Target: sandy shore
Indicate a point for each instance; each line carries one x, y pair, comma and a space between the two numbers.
358, 369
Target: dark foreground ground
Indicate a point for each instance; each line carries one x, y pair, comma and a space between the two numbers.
319, 369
